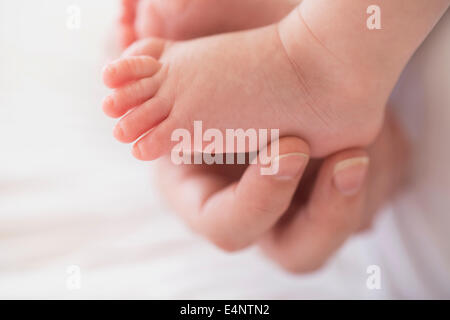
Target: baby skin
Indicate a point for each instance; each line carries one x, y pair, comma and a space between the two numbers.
188, 19
294, 76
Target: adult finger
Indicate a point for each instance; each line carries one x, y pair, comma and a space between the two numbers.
308, 235
234, 215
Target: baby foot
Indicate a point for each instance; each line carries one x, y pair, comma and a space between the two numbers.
277, 77
127, 20
187, 19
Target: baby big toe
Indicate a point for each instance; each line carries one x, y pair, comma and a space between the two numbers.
157, 142
141, 120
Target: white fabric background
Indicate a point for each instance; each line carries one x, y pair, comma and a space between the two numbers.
415, 240
71, 195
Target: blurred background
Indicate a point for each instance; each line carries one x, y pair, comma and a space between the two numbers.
80, 218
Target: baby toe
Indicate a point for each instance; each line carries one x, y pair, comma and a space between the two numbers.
129, 69
130, 96
141, 120
127, 35
157, 142
153, 47
128, 11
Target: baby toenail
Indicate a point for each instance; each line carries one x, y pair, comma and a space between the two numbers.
137, 151
108, 102
112, 71
118, 131
109, 69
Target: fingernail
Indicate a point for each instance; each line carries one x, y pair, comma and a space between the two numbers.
289, 166
349, 175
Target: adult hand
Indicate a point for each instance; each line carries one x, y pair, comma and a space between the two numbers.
300, 216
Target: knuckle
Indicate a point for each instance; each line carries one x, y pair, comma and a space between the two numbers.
264, 207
